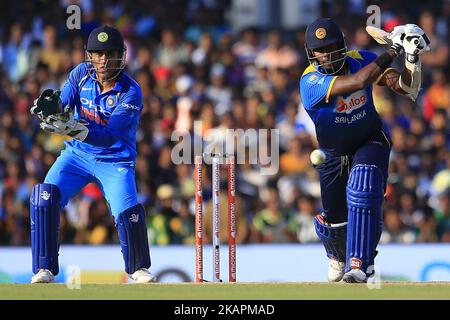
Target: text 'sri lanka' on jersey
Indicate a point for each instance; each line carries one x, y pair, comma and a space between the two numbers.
112, 117
342, 122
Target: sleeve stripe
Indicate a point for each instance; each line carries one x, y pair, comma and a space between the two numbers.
82, 79
309, 69
381, 75
387, 140
327, 98
355, 54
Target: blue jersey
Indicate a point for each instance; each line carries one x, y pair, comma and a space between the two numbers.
112, 117
345, 122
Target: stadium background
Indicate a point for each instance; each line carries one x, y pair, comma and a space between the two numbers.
231, 64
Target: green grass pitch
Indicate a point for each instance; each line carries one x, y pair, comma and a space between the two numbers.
226, 291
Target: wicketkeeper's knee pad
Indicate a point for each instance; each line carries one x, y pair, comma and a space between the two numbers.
45, 201
132, 228
333, 236
364, 200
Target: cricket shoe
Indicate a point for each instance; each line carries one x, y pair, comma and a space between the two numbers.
336, 270
355, 276
43, 276
142, 276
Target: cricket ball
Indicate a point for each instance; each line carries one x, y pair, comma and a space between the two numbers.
317, 157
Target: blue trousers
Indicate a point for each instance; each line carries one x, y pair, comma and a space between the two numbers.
74, 169
334, 174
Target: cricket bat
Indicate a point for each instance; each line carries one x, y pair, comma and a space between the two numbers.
379, 35
384, 37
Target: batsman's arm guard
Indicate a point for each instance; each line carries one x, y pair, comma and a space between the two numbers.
413, 88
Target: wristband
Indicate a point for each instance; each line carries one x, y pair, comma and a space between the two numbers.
384, 61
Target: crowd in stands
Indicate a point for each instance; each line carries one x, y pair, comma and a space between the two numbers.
191, 65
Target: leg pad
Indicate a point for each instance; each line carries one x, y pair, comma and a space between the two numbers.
132, 229
364, 201
45, 201
333, 236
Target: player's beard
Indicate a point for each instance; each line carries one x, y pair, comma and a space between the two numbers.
334, 63
335, 67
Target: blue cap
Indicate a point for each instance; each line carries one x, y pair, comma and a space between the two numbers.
322, 32
105, 38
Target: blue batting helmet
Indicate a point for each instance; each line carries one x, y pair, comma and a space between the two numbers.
321, 33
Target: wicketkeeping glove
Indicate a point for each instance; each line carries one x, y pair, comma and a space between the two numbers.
73, 128
47, 104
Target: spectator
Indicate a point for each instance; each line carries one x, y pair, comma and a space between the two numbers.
218, 91
289, 126
442, 215
170, 51
294, 161
277, 54
437, 96
394, 230
203, 54
158, 225
50, 55
438, 56
271, 223
302, 223
15, 53
182, 226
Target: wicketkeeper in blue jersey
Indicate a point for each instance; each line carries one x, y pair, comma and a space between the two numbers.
99, 107
336, 91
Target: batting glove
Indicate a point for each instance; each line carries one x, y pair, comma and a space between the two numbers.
396, 37
415, 42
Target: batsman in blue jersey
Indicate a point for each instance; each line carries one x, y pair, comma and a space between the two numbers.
336, 91
99, 107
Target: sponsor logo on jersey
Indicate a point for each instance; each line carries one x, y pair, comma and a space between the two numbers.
312, 79
94, 112
130, 106
350, 119
351, 103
